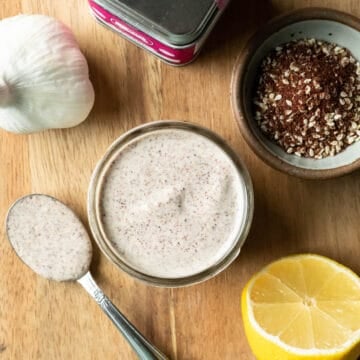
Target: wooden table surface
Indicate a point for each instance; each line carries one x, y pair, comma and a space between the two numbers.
40, 319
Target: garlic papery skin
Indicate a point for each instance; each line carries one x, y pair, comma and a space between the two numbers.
44, 77
4, 93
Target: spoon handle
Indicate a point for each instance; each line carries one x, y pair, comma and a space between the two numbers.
142, 347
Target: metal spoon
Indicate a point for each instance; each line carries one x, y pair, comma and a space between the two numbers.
52, 241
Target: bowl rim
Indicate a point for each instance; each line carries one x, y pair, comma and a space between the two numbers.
237, 96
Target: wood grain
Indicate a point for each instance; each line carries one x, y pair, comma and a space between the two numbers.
46, 320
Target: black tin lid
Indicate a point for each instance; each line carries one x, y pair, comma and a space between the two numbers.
178, 21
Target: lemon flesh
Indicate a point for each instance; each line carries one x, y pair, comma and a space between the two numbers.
303, 307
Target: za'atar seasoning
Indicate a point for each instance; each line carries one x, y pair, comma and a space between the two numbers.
307, 98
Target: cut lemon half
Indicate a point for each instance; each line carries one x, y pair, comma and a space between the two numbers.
303, 307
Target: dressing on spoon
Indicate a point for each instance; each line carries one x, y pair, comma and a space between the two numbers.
52, 241
49, 238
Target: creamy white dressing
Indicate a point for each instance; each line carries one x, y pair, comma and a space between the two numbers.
172, 203
49, 238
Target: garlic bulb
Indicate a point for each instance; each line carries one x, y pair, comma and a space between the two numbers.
44, 80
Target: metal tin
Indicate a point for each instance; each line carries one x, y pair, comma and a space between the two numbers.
94, 199
173, 30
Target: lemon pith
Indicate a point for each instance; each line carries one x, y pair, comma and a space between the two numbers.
303, 307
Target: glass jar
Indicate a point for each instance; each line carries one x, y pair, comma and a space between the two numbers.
95, 192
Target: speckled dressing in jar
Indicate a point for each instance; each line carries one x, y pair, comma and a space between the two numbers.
49, 238
172, 203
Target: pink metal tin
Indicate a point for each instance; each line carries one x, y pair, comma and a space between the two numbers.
174, 40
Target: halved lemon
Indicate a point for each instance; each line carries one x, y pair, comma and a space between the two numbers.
303, 307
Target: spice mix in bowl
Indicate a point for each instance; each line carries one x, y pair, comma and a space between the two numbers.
296, 93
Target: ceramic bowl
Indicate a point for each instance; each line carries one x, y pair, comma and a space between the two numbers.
324, 24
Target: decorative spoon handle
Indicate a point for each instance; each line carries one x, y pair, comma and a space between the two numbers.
143, 348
